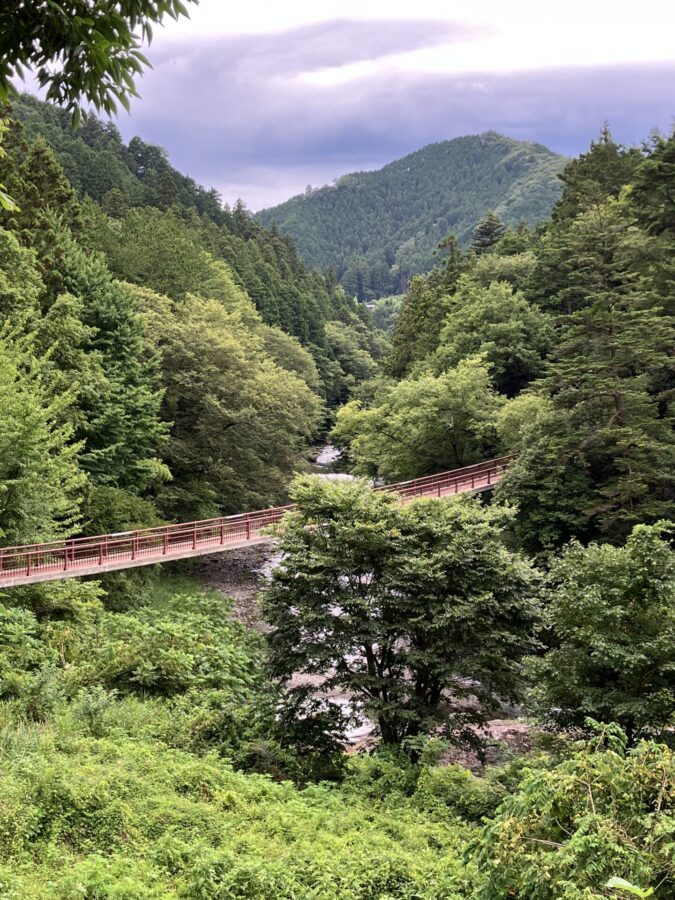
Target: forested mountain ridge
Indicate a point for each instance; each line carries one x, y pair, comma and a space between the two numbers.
164, 222
161, 356
376, 229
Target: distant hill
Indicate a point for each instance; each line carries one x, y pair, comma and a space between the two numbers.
376, 229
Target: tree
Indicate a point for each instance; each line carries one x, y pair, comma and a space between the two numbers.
40, 482
653, 205
418, 326
6, 202
48, 206
153, 249
595, 176
652, 186
386, 312
419, 612
487, 233
288, 352
240, 422
547, 481
594, 252
610, 432
78, 49
512, 335
422, 425
20, 284
355, 361
610, 622
121, 418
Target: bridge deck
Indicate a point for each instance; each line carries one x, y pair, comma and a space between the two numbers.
34, 563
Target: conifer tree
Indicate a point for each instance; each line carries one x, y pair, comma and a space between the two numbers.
595, 176
121, 423
610, 431
652, 202
40, 481
487, 233
418, 327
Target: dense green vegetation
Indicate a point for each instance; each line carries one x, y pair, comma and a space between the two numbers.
377, 229
164, 357
180, 359
142, 757
555, 345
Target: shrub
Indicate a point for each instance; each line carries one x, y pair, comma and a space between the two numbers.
606, 811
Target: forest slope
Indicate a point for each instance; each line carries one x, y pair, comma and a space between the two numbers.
376, 229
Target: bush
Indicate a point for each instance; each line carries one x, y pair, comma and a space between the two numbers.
133, 820
455, 791
606, 811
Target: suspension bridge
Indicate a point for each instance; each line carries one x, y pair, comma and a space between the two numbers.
75, 557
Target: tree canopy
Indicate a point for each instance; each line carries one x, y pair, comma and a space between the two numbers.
413, 610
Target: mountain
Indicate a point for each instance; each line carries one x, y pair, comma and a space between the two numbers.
153, 209
376, 229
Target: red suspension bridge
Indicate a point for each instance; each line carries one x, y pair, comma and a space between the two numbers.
32, 563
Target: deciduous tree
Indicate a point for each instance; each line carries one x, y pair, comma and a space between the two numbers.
419, 612
610, 622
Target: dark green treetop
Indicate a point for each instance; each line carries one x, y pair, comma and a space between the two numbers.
413, 610
487, 233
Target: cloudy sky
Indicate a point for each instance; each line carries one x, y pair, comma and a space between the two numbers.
260, 98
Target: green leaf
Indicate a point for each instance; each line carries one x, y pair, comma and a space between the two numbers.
623, 885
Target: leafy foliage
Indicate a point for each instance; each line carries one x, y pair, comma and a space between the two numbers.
611, 622
570, 828
40, 482
419, 612
422, 425
78, 49
512, 335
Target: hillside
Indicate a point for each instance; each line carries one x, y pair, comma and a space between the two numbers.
376, 229
468, 696
154, 224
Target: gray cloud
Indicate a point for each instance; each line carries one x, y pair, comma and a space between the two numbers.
233, 113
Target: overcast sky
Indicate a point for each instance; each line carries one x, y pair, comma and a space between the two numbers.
261, 98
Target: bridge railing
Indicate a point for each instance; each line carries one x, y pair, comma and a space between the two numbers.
173, 540
456, 481
166, 540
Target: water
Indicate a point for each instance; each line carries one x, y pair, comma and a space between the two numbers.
327, 455
326, 458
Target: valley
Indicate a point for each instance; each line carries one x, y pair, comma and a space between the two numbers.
461, 689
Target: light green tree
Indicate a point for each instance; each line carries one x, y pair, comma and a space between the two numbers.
603, 813
40, 482
610, 622
423, 425
512, 335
